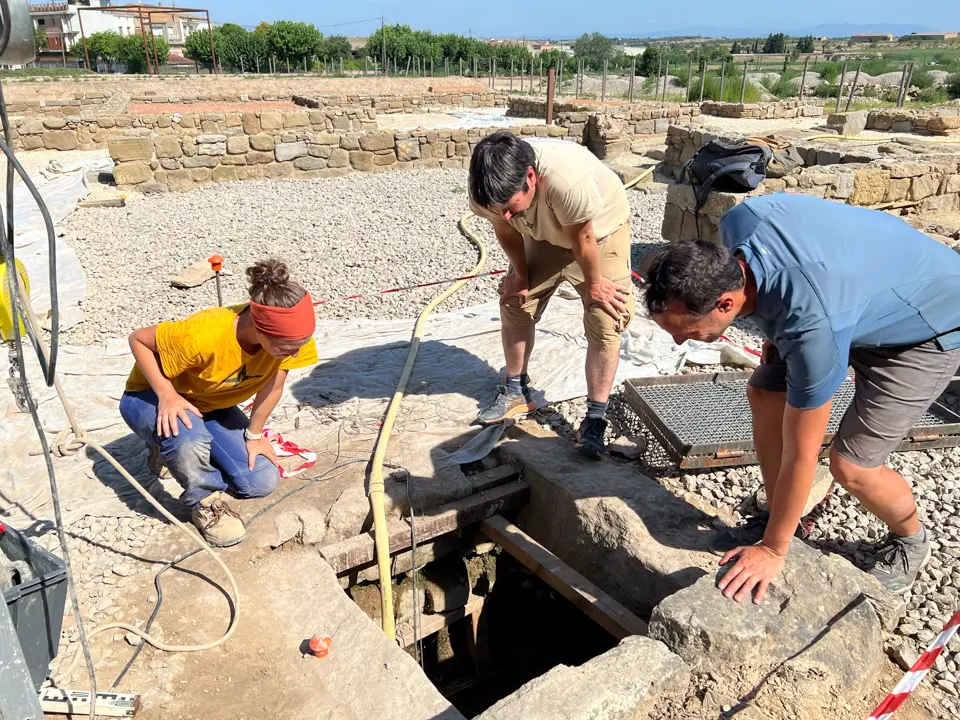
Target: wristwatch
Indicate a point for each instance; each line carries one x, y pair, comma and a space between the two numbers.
247, 435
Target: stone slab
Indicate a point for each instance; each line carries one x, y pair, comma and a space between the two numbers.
616, 527
621, 684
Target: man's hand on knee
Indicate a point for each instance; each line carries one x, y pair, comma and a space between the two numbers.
609, 297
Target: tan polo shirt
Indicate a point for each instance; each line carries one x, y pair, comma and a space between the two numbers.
573, 187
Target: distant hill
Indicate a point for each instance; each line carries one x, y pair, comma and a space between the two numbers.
827, 30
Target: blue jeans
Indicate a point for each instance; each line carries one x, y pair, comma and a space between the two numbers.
210, 457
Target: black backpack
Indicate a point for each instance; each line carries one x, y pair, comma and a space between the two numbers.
725, 167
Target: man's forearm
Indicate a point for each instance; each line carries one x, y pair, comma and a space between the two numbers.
586, 252
786, 506
512, 243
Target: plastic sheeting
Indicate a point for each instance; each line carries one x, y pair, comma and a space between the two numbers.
456, 373
61, 189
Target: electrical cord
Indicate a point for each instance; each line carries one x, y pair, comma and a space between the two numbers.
186, 556
48, 366
20, 311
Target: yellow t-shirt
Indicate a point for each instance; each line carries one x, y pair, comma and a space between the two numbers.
206, 364
573, 186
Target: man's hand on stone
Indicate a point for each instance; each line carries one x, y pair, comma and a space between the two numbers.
609, 297
756, 567
514, 286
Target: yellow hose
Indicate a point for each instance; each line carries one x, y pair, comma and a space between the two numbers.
376, 487
383, 439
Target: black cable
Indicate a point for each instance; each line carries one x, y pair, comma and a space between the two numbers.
17, 314
49, 367
187, 556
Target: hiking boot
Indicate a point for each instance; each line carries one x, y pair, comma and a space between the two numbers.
899, 561
221, 527
506, 405
590, 437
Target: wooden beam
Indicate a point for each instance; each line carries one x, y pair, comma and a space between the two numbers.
594, 602
359, 550
489, 479
432, 624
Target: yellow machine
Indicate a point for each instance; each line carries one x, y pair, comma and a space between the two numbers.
6, 309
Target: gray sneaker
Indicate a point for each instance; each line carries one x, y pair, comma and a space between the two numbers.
899, 562
506, 405
750, 532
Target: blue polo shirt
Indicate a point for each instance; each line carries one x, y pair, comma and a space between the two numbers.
831, 277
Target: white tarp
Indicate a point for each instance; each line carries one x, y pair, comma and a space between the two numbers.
360, 361
61, 191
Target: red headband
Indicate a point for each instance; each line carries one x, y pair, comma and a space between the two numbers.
294, 323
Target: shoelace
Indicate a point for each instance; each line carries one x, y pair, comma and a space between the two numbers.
892, 552
218, 508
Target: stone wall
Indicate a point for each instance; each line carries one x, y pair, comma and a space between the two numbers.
930, 185
683, 142
59, 106
407, 103
942, 121
645, 111
72, 132
251, 151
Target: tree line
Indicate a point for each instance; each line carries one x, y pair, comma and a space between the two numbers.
775, 44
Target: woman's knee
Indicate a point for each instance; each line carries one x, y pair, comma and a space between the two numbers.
259, 482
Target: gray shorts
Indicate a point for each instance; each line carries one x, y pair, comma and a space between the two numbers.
894, 387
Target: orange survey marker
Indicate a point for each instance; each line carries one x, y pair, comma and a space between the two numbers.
320, 646
216, 264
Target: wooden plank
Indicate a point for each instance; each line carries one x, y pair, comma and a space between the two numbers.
594, 602
360, 550
489, 479
434, 623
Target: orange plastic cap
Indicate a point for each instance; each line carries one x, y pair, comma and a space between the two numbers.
216, 262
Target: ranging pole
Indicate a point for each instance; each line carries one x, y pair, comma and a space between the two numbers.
83, 37
153, 42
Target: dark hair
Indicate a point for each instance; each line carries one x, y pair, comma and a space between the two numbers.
498, 168
697, 272
270, 284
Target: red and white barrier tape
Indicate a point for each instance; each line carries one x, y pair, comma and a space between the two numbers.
286, 448
410, 287
921, 667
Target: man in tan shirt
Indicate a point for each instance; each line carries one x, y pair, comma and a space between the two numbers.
560, 215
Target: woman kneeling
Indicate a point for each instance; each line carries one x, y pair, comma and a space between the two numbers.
182, 395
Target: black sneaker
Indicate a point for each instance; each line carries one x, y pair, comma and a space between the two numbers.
506, 405
899, 562
590, 437
750, 532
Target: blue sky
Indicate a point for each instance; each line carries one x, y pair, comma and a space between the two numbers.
565, 18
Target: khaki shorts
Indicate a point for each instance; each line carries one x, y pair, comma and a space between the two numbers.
549, 265
894, 387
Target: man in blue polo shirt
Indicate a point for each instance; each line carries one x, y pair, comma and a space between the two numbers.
830, 285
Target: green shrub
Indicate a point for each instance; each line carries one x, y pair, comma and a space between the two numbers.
953, 85
829, 71
731, 88
933, 96
922, 80
826, 90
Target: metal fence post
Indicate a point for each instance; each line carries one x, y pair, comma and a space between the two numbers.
703, 79
666, 74
803, 78
551, 90
689, 76
656, 85
903, 79
853, 87
559, 89
743, 84
512, 68
603, 83
723, 73
843, 76
633, 74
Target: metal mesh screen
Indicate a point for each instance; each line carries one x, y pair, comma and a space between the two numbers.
705, 413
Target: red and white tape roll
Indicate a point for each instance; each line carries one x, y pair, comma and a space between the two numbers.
286, 448
921, 667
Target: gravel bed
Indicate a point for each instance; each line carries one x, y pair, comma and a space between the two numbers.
341, 236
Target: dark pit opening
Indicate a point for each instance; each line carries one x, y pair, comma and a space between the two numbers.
523, 628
